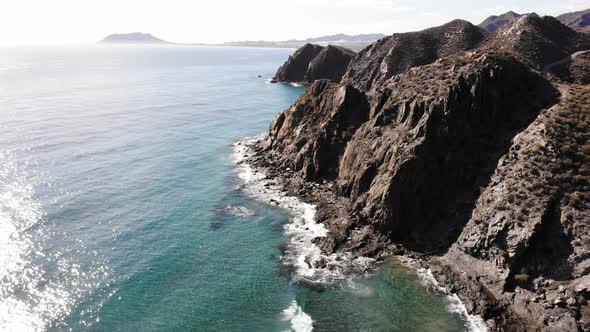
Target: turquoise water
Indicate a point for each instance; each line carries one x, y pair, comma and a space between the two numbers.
121, 208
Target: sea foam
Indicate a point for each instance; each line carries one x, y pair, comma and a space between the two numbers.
473, 323
300, 321
309, 264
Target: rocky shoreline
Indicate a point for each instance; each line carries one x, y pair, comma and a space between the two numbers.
450, 271
465, 150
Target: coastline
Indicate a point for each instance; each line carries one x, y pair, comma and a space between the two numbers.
313, 206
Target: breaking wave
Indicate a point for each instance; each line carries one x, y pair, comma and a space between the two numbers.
473, 323
300, 321
309, 264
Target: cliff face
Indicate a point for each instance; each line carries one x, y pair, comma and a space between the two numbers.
529, 233
312, 134
477, 160
296, 66
329, 64
313, 62
434, 146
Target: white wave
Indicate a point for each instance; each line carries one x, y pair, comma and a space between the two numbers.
237, 210
474, 323
30, 297
300, 321
309, 263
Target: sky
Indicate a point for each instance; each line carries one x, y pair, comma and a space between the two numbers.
42, 22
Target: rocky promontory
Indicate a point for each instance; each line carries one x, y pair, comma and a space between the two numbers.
466, 150
313, 62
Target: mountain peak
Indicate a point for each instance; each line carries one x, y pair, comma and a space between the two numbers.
495, 22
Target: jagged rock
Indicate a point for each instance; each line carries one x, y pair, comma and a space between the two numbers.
329, 64
313, 62
311, 135
296, 66
476, 162
433, 146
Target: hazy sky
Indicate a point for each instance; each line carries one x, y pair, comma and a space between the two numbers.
83, 21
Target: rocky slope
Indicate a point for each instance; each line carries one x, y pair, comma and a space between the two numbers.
539, 41
313, 62
495, 22
575, 68
457, 148
400, 52
528, 238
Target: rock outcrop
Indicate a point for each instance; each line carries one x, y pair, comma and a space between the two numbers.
467, 150
313, 62
495, 22
329, 64
294, 69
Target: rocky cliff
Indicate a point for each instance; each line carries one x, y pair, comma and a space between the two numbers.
329, 64
313, 62
458, 148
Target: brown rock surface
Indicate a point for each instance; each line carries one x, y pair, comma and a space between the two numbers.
476, 163
395, 54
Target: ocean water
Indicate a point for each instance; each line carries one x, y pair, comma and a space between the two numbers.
122, 207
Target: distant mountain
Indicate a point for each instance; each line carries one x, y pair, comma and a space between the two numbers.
354, 42
576, 20
133, 38
494, 22
340, 38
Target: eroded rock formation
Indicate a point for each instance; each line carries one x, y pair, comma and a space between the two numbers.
461, 149
314, 62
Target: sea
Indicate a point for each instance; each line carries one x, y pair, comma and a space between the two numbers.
126, 204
